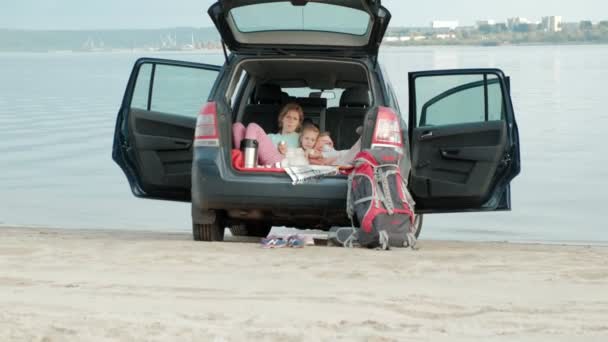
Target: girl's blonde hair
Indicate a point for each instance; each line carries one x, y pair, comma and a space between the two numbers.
286, 109
310, 127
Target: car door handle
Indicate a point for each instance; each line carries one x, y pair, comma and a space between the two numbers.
451, 153
182, 143
426, 135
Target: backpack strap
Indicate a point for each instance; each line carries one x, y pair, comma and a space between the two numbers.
388, 200
377, 196
383, 239
350, 206
410, 236
411, 241
352, 240
384, 191
404, 191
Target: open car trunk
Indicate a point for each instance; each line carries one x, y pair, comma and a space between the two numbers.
274, 82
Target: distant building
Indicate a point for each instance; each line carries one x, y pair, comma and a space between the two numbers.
552, 23
444, 36
520, 24
516, 21
444, 24
586, 25
488, 22
570, 27
501, 27
405, 38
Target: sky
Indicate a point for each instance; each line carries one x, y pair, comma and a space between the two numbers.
141, 14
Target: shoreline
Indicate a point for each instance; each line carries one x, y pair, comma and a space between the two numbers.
188, 235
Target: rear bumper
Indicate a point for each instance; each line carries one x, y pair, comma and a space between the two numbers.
246, 196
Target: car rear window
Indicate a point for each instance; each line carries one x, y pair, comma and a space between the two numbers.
283, 16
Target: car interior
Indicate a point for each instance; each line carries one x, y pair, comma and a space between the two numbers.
266, 93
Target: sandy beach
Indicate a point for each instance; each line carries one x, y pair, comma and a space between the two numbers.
77, 285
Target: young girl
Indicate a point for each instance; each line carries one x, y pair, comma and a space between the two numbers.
272, 148
308, 138
299, 156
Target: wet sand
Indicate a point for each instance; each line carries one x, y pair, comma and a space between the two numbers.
79, 285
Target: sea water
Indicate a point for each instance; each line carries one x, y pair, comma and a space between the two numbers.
58, 111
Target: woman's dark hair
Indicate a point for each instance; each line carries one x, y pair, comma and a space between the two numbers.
286, 109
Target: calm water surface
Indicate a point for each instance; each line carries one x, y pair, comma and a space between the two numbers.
57, 116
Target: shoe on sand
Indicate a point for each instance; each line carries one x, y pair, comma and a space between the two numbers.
273, 242
295, 241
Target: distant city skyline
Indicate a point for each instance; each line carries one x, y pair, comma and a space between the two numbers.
145, 14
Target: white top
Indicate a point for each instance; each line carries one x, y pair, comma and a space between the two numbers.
295, 157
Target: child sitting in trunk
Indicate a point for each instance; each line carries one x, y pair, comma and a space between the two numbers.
326, 154
299, 156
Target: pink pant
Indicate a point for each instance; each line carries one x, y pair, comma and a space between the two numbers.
268, 153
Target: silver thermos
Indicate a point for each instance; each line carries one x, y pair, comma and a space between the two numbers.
250, 151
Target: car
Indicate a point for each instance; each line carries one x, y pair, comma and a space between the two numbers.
459, 137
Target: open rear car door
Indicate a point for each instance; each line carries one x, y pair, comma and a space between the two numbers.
464, 140
155, 126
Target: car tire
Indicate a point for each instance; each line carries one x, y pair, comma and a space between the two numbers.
208, 232
238, 229
418, 224
255, 229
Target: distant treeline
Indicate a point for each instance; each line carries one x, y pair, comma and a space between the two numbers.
183, 38
41, 41
499, 34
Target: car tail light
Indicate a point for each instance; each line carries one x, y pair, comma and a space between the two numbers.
206, 132
387, 132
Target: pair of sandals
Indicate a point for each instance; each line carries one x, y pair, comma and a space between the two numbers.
272, 241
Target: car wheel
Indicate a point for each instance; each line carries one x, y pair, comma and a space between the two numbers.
238, 229
208, 232
418, 224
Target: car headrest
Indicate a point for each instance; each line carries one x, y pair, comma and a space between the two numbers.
267, 94
311, 102
284, 97
355, 97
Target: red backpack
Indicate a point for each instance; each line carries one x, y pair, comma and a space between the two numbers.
378, 196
